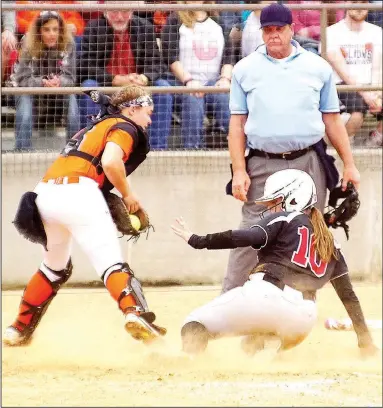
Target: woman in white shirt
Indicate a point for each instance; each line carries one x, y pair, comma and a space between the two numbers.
198, 52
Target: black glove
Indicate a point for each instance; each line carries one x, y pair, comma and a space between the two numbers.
338, 215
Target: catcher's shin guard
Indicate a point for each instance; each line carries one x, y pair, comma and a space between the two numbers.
195, 338
37, 296
126, 289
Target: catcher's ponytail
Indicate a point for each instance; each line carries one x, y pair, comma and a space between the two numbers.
323, 239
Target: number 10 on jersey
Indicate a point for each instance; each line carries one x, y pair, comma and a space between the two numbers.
305, 255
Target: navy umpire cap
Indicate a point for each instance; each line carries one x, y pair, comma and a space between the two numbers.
276, 15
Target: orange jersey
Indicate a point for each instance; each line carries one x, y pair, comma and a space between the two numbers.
93, 143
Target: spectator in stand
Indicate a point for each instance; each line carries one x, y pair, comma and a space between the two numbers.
8, 41
252, 33
72, 18
197, 53
88, 15
157, 18
119, 49
376, 16
229, 18
232, 23
354, 49
47, 59
307, 22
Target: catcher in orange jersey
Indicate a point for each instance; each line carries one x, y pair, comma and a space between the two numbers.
68, 203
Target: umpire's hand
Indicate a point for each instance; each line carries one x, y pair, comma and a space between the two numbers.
350, 174
240, 185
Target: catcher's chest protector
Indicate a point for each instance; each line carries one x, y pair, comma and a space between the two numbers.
140, 144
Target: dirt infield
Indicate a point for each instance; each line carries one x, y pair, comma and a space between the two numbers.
81, 356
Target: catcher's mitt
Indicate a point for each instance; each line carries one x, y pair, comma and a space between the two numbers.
121, 218
338, 215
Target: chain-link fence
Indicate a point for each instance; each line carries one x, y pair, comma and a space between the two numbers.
183, 53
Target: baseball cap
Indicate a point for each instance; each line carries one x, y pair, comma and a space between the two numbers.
276, 15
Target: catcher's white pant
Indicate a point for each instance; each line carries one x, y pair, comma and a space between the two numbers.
258, 307
77, 210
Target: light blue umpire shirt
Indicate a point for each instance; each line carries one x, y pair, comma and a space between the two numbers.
284, 99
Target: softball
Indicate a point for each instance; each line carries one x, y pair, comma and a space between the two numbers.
136, 223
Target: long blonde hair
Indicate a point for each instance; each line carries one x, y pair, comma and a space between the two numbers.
323, 239
33, 42
188, 17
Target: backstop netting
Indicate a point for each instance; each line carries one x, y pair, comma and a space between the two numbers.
185, 55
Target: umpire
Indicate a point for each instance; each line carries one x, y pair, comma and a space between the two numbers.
282, 101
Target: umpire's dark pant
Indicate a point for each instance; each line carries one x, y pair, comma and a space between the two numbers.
243, 260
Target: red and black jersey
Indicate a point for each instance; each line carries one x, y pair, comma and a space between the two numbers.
286, 240
290, 242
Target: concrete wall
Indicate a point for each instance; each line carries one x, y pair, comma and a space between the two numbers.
191, 185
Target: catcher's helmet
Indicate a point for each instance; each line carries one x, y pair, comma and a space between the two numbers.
295, 187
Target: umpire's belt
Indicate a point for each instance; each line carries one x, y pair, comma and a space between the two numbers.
286, 155
307, 295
